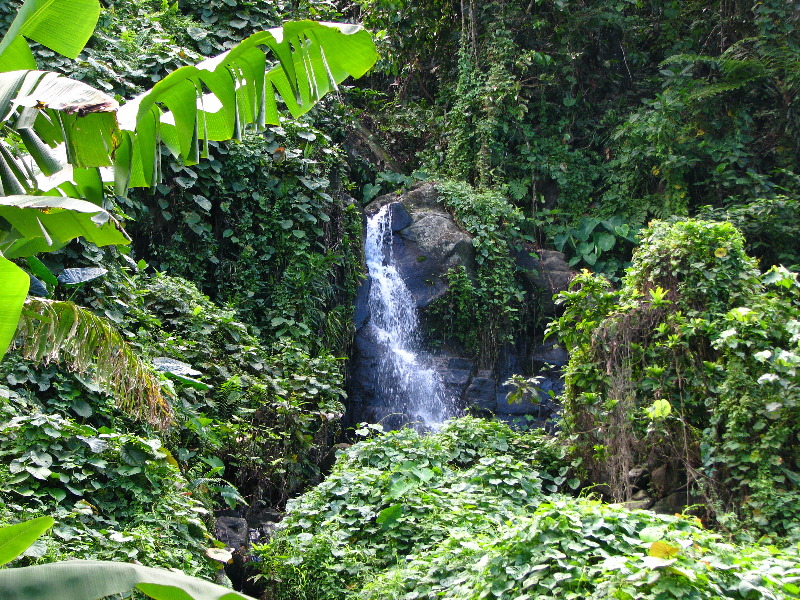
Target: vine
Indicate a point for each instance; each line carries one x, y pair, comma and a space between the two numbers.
694, 331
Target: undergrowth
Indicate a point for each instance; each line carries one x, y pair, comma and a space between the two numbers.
477, 510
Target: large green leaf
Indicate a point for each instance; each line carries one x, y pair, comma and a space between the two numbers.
214, 100
241, 91
93, 579
64, 26
15, 539
47, 110
46, 223
14, 284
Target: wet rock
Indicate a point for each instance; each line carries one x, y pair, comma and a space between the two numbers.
456, 374
233, 532
400, 218
638, 505
673, 503
362, 307
551, 353
639, 477
427, 249
548, 271
428, 242
482, 392
666, 478
420, 196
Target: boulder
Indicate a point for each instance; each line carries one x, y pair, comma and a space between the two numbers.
427, 249
667, 478
482, 392
673, 504
455, 373
428, 242
234, 532
551, 353
420, 196
548, 273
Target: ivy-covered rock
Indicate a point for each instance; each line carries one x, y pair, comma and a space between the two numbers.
691, 367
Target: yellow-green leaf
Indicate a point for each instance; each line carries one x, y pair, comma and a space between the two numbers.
14, 284
662, 549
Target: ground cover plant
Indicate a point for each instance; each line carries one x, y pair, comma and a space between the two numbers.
163, 440
73, 454
558, 123
477, 510
400, 493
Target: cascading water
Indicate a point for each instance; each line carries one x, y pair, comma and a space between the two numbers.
407, 377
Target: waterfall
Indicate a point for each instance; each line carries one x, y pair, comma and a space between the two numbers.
407, 377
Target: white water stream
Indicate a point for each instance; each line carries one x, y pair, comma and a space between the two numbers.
407, 376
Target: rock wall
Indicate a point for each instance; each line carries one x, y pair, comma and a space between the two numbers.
427, 243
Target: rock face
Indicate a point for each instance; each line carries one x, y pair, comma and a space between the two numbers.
547, 272
426, 244
428, 241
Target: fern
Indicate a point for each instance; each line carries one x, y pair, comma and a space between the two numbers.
63, 332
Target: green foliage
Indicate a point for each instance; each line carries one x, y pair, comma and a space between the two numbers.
91, 579
598, 110
769, 226
703, 264
15, 289
584, 549
397, 494
462, 514
117, 496
696, 327
43, 224
593, 238
275, 238
15, 539
750, 449
260, 418
63, 332
284, 403
483, 312
43, 21
723, 128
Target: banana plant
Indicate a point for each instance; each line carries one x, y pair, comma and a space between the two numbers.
70, 139
91, 579
214, 100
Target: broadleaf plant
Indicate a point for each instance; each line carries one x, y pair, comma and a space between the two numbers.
91, 579
15, 539
214, 100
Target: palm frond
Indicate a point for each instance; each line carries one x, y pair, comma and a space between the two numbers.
63, 332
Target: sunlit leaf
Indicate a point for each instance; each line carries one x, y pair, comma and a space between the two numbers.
15, 539
661, 549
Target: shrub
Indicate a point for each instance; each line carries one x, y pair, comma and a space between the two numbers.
691, 364
400, 494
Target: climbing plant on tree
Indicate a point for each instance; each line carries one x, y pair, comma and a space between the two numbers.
691, 366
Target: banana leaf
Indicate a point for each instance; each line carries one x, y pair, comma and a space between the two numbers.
93, 579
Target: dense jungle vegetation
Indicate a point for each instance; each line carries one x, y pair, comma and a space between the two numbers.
197, 362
